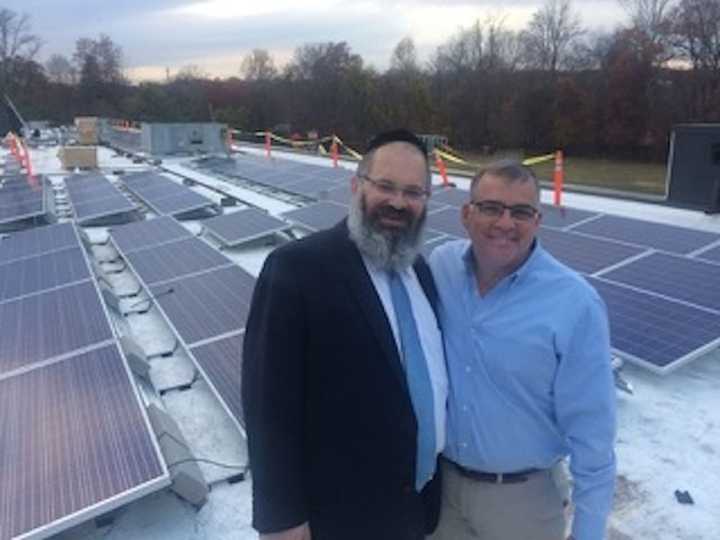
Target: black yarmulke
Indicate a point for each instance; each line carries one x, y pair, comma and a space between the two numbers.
396, 135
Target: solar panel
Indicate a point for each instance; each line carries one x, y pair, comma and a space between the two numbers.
35, 241
141, 178
208, 305
451, 196
144, 234
655, 332
339, 194
560, 217
179, 204
46, 271
221, 364
584, 253
20, 199
50, 324
175, 259
710, 255
310, 187
447, 220
317, 216
678, 277
104, 208
657, 235
75, 444
244, 226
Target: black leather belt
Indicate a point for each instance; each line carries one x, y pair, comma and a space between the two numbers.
493, 478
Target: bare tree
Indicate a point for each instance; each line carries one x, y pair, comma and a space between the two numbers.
17, 43
258, 65
191, 72
696, 32
648, 16
107, 55
59, 69
552, 31
404, 56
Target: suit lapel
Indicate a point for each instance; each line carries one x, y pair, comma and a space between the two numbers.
363, 289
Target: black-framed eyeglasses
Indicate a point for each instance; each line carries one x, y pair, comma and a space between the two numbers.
495, 209
389, 188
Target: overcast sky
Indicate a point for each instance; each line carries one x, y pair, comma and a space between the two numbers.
214, 35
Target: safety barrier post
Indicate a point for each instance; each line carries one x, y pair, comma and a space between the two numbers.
440, 164
334, 151
558, 178
267, 144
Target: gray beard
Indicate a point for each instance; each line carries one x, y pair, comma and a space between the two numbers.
386, 249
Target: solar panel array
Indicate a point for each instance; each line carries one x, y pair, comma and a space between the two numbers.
21, 198
619, 249
202, 295
95, 198
664, 306
76, 442
165, 197
304, 179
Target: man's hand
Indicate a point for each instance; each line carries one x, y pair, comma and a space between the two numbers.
301, 532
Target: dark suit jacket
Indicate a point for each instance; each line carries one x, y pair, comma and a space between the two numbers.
331, 429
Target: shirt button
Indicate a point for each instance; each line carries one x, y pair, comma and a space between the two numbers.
463, 445
465, 408
468, 369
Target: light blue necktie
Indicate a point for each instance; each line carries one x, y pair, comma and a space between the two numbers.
418, 381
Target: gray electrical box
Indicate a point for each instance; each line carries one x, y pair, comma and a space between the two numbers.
694, 166
186, 138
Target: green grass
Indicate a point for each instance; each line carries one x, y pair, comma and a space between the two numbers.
633, 176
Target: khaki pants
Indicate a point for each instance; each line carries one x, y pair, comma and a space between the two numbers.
473, 510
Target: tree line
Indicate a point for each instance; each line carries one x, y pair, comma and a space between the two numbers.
553, 84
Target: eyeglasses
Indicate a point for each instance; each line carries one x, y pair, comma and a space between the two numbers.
390, 189
495, 209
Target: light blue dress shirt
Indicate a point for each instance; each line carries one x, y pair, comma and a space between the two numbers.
530, 375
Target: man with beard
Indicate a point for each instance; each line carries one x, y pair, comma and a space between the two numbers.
343, 381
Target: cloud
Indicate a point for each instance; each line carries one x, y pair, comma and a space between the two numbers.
215, 34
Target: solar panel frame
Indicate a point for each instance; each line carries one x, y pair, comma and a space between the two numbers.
660, 236
148, 233
317, 216
82, 381
220, 364
712, 254
633, 332
254, 224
